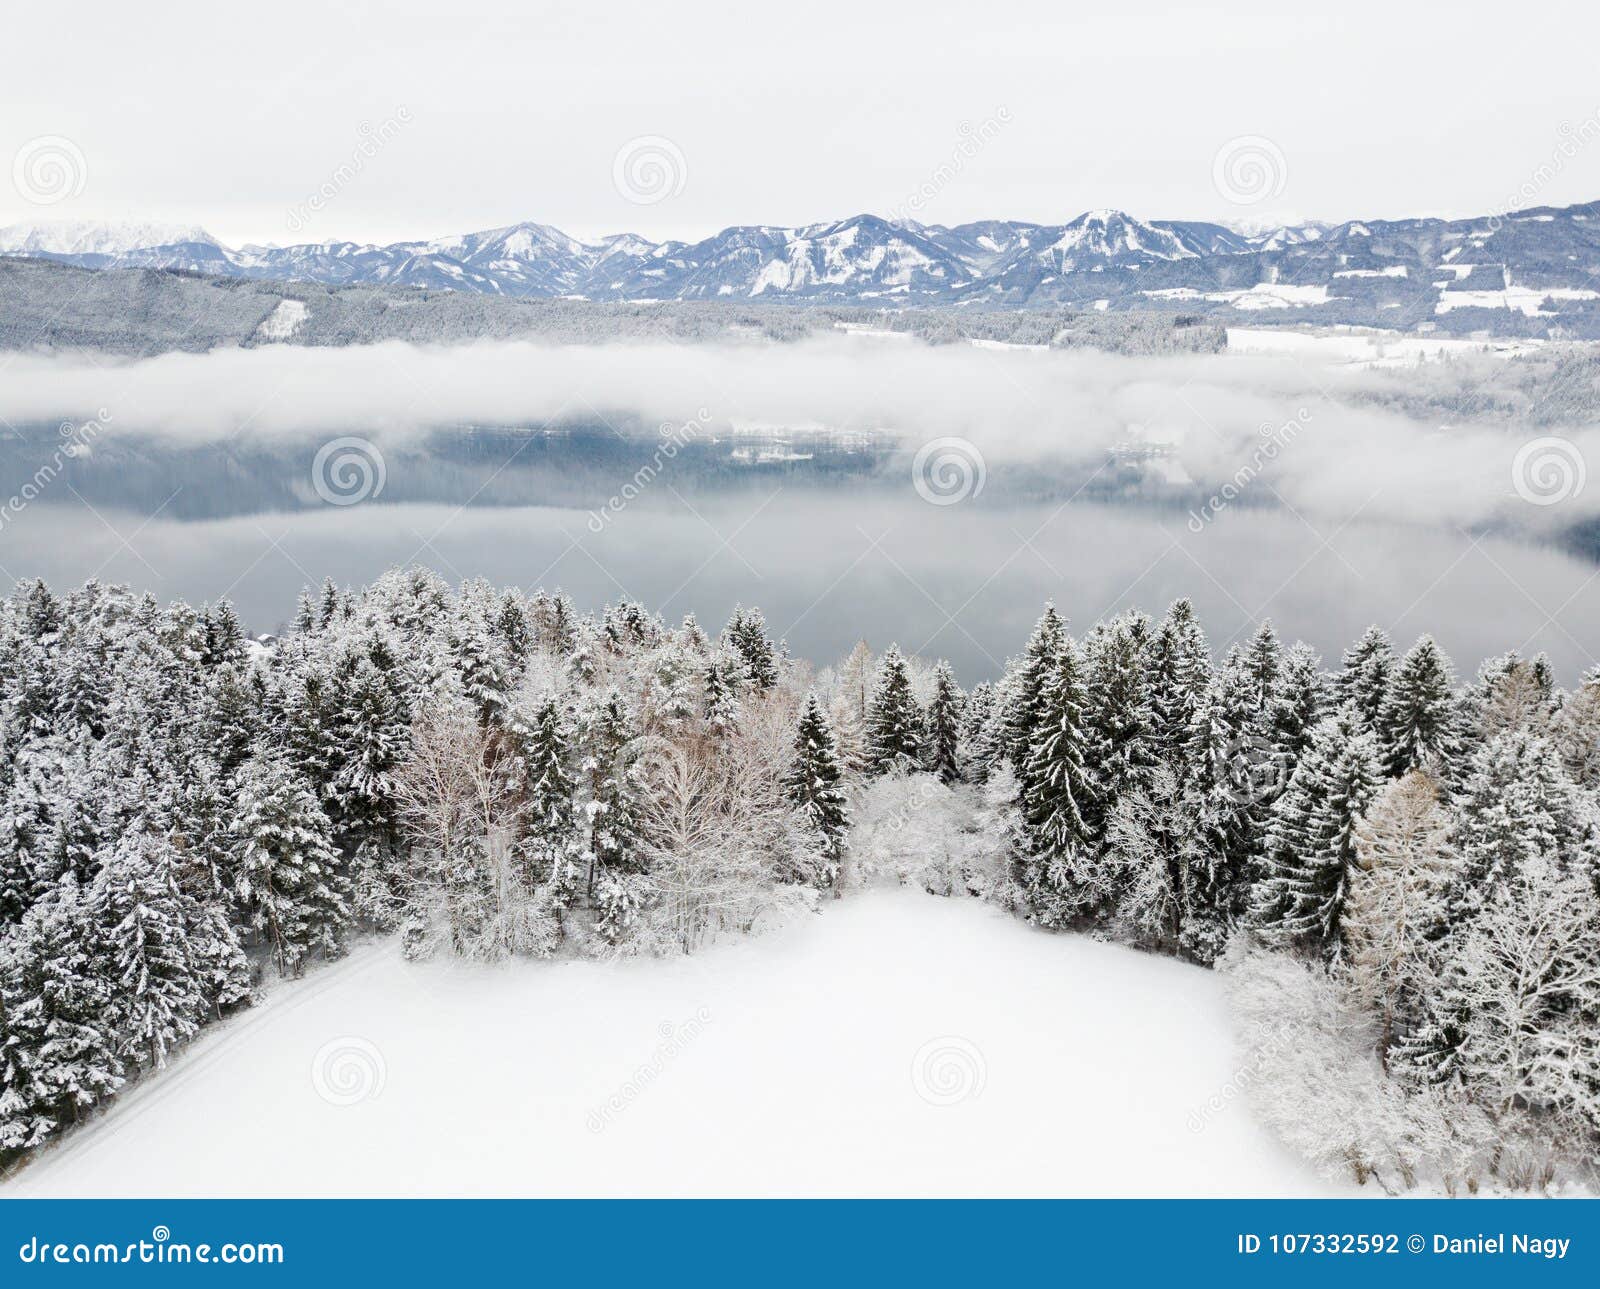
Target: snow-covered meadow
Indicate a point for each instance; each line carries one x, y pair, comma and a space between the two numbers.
894, 1044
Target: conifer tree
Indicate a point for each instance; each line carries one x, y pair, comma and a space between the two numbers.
549, 819
894, 725
1118, 715
144, 949
1223, 813
813, 786
1310, 845
973, 757
58, 1056
288, 877
1026, 688
1365, 674
1418, 724
943, 728
1057, 795
1178, 673
746, 635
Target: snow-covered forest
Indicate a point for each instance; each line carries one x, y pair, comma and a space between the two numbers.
1398, 874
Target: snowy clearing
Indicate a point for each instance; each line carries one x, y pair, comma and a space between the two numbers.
898, 1044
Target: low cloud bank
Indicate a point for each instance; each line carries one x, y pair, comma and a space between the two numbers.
1275, 429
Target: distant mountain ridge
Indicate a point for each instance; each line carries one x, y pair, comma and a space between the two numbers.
1531, 272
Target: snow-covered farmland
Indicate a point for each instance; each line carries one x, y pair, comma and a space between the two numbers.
897, 1044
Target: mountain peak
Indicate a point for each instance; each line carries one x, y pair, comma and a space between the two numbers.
97, 237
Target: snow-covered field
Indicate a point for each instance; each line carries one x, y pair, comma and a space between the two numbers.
897, 1044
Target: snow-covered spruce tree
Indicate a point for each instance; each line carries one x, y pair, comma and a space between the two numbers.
58, 1056
813, 784
143, 947
1395, 909
610, 805
1365, 674
943, 725
1178, 674
1419, 723
722, 676
746, 635
973, 761
370, 728
553, 853
1263, 661
894, 724
1025, 685
1310, 848
1121, 749
1224, 823
288, 877
1299, 701
1056, 870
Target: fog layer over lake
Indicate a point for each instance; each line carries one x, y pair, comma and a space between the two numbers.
829, 566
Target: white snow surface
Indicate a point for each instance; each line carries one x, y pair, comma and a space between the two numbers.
1085, 1068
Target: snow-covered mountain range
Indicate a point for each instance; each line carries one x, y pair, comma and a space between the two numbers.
1535, 270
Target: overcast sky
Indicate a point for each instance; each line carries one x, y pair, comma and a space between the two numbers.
477, 114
